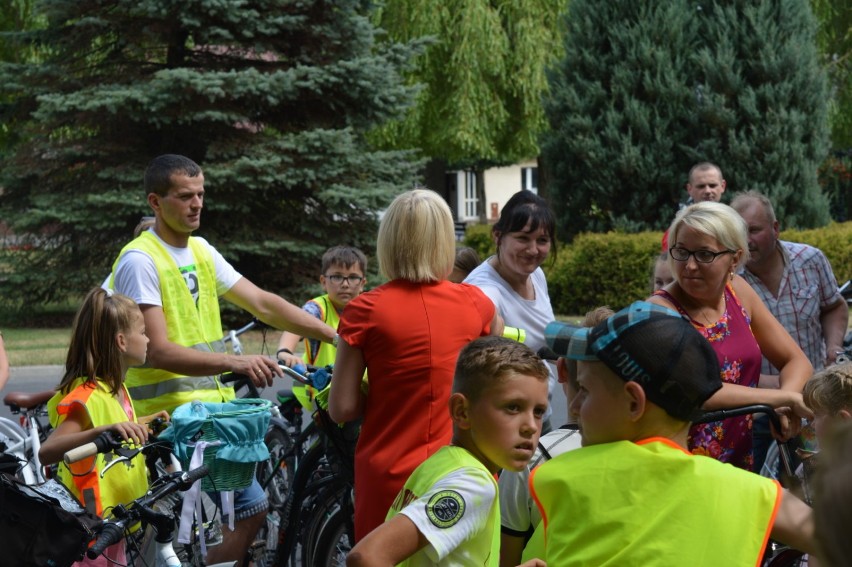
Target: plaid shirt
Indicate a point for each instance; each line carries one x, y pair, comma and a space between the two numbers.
807, 287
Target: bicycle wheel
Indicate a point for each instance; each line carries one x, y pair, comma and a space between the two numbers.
336, 539
275, 475
787, 557
326, 503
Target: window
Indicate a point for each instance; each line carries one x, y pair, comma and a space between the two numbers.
529, 179
470, 199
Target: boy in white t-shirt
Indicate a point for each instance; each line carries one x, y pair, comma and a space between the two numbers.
448, 512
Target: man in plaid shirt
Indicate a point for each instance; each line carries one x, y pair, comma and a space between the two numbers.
798, 286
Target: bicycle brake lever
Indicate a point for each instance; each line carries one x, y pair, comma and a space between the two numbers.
124, 454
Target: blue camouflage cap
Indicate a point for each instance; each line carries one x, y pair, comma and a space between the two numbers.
651, 345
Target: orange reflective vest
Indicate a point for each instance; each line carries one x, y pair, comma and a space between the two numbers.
123, 482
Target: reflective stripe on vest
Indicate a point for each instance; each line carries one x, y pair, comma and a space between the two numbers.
651, 503
123, 482
190, 324
326, 352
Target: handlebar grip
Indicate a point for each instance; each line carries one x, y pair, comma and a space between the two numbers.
80, 453
102, 443
111, 532
190, 477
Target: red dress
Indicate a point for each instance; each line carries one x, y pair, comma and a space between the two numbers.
410, 335
730, 440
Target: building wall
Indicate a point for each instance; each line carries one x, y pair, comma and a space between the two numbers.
500, 184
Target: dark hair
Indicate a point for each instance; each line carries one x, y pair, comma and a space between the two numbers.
93, 353
344, 256
487, 360
466, 259
523, 208
158, 175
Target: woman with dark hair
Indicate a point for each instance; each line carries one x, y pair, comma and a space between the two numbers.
513, 278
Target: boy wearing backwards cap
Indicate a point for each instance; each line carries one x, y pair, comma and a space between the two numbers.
641, 497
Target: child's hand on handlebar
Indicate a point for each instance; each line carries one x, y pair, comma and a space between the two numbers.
290, 360
129, 431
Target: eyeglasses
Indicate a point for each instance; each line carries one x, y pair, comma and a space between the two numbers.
337, 279
701, 256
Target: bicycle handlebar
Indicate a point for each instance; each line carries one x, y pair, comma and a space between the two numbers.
104, 442
719, 415
112, 531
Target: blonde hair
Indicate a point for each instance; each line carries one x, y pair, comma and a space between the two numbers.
416, 239
830, 390
713, 219
93, 353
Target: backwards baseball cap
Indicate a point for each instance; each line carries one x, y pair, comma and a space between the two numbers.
651, 345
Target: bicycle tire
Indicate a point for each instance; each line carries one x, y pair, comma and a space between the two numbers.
289, 527
334, 496
336, 539
275, 475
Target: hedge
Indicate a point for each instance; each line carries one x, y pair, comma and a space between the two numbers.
614, 269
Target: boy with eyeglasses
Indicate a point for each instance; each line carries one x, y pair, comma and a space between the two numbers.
343, 279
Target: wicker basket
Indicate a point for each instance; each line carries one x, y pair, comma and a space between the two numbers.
227, 475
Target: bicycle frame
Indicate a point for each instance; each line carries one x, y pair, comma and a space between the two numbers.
19, 443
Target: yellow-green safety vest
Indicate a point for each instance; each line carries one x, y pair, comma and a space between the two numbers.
651, 503
483, 550
123, 482
199, 328
326, 352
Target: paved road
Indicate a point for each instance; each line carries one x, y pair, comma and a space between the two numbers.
39, 378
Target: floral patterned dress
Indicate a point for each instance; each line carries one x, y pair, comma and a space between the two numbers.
730, 440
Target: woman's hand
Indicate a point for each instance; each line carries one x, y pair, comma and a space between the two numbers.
791, 424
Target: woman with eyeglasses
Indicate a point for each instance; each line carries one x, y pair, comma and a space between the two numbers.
407, 333
707, 245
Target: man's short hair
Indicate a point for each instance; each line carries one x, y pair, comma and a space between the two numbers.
704, 166
487, 360
158, 175
741, 200
344, 256
653, 346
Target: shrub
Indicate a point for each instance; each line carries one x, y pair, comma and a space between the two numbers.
611, 269
478, 237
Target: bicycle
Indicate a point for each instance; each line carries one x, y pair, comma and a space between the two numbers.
322, 485
775, 555
22, 442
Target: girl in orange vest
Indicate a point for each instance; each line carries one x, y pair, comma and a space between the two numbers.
108, 336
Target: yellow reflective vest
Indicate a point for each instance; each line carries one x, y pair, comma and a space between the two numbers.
123, 482
651, 503
326, 353
187, 324
484, 548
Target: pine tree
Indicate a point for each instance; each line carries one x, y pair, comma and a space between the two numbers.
647, 89
271, 98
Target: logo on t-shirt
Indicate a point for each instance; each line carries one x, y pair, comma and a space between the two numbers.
191, 277
445, 508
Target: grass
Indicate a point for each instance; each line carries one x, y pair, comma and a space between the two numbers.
33, 347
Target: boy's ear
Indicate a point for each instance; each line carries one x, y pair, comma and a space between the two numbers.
459, 411
844, 414
636, 399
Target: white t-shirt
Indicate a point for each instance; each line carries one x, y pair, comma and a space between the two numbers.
531, 315
446, 545
136, 275
518, 511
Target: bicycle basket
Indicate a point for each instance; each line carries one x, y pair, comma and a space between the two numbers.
234, 432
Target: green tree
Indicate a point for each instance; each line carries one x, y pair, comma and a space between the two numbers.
835, 43
271, 97
482, 78
647, 89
